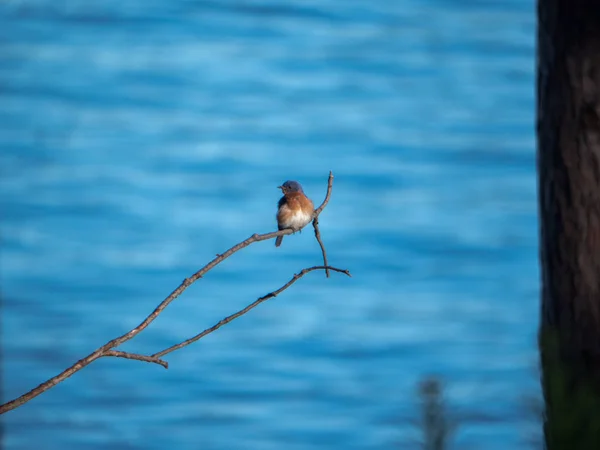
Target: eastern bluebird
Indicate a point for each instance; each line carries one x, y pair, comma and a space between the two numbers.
295, 208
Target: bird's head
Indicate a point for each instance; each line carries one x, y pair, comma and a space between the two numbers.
290, 186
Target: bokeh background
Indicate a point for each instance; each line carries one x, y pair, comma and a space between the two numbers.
139, 138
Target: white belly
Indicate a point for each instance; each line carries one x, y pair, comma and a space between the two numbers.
296, 220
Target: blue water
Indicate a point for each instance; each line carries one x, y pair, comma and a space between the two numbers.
140, 138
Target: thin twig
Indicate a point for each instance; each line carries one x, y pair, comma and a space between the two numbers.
327, 196
316, 222
241, 312
137, 357
107, 349
318, 236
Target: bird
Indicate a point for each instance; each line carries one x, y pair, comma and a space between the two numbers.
294, 210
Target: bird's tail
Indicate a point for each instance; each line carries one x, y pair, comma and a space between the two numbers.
278, 241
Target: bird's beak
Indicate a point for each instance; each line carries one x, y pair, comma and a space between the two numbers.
279, 187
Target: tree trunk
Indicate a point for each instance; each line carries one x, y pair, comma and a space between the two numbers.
568, 129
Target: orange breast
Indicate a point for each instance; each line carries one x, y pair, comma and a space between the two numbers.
299, 202
296, 212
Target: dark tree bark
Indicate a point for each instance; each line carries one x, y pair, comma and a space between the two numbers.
568, 129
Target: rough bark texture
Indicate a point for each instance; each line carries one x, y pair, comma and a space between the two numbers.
569, 168
568, 129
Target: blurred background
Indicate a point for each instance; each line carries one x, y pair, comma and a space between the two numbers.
139, 138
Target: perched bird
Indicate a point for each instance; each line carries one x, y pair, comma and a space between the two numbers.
295, 209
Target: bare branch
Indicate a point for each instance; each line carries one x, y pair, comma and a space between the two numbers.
316, 222
318, 236
51, 382
137, 357
327, 196
228, 319
107, 349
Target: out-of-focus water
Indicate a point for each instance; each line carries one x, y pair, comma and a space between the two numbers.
140, 138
